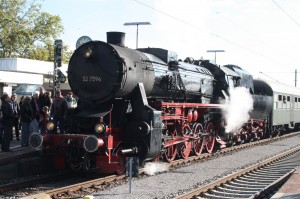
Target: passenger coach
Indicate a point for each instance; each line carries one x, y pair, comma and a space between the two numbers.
285, 114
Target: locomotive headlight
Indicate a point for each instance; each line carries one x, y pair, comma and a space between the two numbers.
50, 126
88, 53
100, 127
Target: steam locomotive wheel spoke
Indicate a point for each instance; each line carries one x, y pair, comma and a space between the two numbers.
170, 153
198, 143
185, 149
210, 140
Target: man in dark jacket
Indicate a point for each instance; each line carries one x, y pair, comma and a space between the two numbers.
8, 118
16, 109
35, 106
34, 125
26, 118
59, 112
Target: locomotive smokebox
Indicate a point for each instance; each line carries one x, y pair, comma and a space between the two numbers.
116, 38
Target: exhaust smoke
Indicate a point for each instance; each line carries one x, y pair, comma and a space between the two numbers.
151, 168
237, 108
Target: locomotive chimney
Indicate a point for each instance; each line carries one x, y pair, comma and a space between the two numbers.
116, 38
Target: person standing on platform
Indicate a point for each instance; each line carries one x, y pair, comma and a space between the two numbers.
20, 103
41, 96
48, 100
59, 112
45, 113
1, 127
26, 118
8, 118
34, 125
72, 104
44, 99
71, 101
44, 119
1, 115
16, 109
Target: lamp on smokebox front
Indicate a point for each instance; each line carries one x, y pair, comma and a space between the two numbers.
50, 126
88, 53
100, 127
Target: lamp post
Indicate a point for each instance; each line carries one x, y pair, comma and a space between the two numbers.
137, 28
215, 51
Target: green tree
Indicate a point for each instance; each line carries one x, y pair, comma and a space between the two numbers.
25, 29
45, 52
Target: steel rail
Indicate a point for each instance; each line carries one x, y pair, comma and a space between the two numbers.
96, 183
204, 189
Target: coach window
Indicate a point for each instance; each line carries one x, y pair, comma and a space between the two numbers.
284, 104
296, 103
279, 102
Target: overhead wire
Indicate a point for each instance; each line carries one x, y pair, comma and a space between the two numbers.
211, 33
290, 17
269, 76
285, 12
248, 32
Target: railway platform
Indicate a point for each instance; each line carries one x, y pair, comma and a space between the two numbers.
16, 152
21, 162
291, 189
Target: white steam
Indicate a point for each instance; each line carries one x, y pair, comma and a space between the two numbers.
237, 108
151, 168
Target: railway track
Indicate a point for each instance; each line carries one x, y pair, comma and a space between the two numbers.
90, 186
256, 181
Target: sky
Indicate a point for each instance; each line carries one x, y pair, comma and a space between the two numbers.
261, 36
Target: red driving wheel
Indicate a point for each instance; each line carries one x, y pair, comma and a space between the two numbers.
185, 147
210, 138
198, 142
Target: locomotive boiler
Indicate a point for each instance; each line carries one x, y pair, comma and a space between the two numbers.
100, 72
147, 103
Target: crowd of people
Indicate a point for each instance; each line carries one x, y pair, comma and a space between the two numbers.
31, 115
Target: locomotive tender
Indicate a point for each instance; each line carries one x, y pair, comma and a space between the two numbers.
147, 103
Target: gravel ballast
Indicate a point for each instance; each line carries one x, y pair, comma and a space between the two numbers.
169, 184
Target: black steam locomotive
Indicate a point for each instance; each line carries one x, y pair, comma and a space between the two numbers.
148, 103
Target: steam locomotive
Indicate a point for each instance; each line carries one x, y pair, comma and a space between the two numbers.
149, 104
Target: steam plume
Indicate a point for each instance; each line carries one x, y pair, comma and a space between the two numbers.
237, 108
151, 168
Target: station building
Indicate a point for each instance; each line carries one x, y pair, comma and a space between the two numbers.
25, 76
